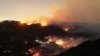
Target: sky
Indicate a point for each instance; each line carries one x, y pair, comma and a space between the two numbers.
18, 9
70, 10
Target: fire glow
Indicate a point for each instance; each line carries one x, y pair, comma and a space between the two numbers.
44, 21
68, 43
63, 43
36, 53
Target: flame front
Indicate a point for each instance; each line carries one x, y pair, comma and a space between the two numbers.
57, 44
64, 43
44, 21
61, 43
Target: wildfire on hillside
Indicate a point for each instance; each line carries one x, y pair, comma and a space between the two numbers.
61, 44
44, 21
64, 43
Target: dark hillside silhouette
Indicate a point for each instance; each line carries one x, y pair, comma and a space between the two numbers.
89, 48
13, 37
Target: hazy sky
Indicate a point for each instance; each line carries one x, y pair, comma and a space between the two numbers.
15, 9
75, 10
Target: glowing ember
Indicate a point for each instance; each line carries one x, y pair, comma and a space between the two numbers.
37, 54
60, 42
51, 39
66, 28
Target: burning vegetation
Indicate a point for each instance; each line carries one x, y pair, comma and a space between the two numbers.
52, 35
21, 39
44, 21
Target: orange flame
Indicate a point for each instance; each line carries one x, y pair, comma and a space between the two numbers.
44, 21
58, 41
62, 42
37, 54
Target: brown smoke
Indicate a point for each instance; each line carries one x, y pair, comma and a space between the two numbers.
83, 10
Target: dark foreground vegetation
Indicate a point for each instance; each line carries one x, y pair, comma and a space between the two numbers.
16, 39
89, 48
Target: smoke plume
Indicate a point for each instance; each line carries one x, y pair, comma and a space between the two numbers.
83, 10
